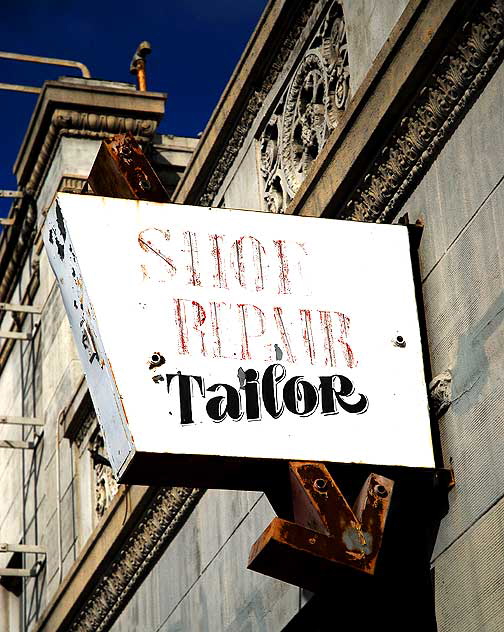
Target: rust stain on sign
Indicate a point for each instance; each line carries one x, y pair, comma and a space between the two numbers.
122, 170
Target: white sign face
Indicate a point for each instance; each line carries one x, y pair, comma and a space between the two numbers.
243, 334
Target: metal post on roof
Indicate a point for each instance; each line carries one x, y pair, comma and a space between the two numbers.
137, 66
40, 60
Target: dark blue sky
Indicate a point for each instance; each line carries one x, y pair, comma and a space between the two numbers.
195, 47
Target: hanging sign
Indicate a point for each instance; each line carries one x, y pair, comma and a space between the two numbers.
237, 334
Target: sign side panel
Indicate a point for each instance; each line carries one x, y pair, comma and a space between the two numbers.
99, 374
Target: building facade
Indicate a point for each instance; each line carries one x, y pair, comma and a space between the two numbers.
346, 109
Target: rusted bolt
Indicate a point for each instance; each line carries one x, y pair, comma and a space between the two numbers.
126, 151
144, 184
312, 540
320, 484
381, 490
156, 360
399, 341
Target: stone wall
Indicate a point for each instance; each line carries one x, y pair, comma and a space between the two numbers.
45, 501
460, 200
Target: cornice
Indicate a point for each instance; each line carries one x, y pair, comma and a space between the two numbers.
163, 518
127, 542
82, 124
82, 108
86, 109
158, 526
442, 102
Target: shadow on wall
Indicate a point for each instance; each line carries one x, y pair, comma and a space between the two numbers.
470, 372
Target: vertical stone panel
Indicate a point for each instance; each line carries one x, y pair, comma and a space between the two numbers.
369, 23
243, 190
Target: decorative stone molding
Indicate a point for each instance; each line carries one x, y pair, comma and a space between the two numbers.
84, 125
90, 438
71, 184
164, 517
253, 107
88, 423
306, 112
105, 485
421, 134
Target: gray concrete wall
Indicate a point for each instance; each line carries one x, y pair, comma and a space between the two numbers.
462, 257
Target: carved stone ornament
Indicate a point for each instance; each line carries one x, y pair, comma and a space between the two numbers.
440, 394
158, 527
87, 428
84, 125
71, 184
105, 484
450, 91
306, 112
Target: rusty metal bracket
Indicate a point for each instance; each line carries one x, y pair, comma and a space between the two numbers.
122, 170
327, 537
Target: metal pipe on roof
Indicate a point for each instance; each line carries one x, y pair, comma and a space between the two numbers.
17, 88
137, 66
47, 60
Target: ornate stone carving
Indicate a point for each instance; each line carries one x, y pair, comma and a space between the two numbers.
84, 125
253, 107
450, 91
71, 184
89, 437
157, 528
306, 112
87, 427
105, 484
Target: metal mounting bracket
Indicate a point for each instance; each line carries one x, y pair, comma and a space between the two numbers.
34, 549
20, 335
122, 170
21, 421
326, 536
27, 309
